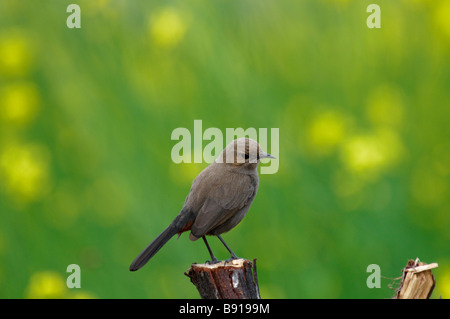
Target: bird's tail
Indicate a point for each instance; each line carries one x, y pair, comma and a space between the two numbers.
178, 225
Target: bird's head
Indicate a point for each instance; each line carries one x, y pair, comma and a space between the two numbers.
243, 152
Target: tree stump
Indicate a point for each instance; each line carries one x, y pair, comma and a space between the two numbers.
417, 281
235, 279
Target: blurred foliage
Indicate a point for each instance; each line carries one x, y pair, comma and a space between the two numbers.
86, 117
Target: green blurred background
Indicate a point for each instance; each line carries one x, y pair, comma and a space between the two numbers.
86, 117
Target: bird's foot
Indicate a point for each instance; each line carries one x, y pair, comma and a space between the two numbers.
213, 261
233, 257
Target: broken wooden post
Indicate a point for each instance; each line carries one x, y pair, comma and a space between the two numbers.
235, 279
417, 281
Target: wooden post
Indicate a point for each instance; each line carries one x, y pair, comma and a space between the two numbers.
235, 279
417, 281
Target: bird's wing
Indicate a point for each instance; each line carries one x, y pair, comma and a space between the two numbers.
221, 203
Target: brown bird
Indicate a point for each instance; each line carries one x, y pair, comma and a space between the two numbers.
219, 198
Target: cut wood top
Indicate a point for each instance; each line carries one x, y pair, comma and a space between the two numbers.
237, 263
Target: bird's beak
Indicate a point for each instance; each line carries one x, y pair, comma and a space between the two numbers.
265, 155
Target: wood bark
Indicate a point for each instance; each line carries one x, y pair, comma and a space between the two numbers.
235, 279
417, 281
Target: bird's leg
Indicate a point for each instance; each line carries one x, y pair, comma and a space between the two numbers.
233, 255
214, 260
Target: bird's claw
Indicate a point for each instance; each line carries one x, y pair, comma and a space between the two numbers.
212, 262
233, 257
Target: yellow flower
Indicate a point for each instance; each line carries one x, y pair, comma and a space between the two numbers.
52, 285
46, 285
372, 153
24, 171
326, 131
167, 27
19, 102
441, 17
15, 53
